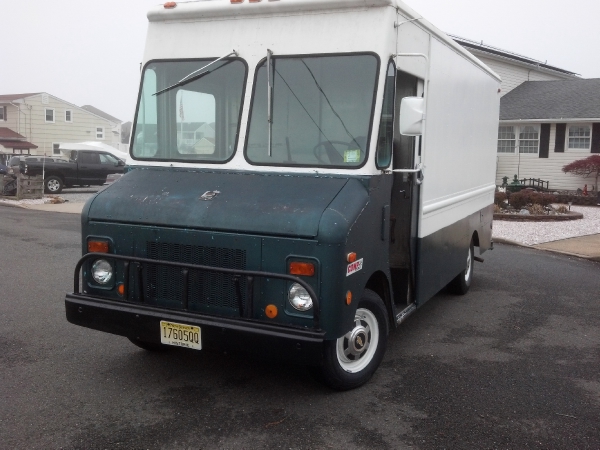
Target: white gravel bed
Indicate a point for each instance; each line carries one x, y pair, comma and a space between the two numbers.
532, 233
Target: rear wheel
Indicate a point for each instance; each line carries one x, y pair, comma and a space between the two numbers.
351, 360
461, 284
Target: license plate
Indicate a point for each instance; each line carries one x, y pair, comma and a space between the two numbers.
180, 335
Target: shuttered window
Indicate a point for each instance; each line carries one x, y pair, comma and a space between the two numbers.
580, 137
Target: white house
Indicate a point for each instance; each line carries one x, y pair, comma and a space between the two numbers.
549, 117
46, 120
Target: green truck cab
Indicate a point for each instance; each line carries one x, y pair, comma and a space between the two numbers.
275, 199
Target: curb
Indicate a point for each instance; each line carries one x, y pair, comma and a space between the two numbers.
534, 247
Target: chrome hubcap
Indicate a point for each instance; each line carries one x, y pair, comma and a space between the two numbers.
356, 349
53, 185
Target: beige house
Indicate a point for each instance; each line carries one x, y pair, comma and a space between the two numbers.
46, 120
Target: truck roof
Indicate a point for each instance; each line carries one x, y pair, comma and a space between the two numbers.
206, 10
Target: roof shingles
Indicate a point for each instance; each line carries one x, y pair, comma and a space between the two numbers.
552, 100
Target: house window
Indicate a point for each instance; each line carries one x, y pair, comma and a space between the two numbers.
68, 116
50, 115
526, 138
55, 149
3, 113
99, 133
579, 137
507, 139
529, 139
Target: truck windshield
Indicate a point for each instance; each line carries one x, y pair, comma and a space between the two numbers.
195, 122
321, 111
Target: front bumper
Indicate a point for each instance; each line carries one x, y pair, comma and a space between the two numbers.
142, 322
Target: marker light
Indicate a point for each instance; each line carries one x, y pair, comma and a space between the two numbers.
98, 246
170, 5
271, 311
121, 289
237, 1
348, 297
300, 268
351, 257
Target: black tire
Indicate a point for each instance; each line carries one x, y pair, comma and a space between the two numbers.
344, 365
149, 346
53, 185
462, 282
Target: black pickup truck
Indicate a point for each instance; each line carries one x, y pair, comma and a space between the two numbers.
87, 168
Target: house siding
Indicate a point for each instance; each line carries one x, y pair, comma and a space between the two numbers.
513, 75
31, 123
548, 169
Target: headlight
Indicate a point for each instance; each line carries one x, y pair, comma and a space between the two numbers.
299, 298
102, 271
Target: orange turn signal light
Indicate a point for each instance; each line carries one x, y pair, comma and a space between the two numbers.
300, 268
237, 1
348, 297
271, 311
170, 5
98, 246
351, 257
121, 289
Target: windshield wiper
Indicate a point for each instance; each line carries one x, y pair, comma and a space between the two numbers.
185, 80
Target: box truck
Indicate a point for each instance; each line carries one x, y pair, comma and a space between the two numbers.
303, 175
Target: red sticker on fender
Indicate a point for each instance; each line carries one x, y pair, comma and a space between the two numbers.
354, 267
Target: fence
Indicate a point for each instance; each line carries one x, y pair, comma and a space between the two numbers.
21, 187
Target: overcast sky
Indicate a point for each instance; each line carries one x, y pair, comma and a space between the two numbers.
88, 52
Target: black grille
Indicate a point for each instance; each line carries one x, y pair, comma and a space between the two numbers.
163, 286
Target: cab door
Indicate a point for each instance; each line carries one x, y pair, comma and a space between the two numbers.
90, 169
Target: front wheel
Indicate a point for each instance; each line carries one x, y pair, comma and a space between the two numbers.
53, 185
351, 360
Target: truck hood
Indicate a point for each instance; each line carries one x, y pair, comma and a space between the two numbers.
273, 204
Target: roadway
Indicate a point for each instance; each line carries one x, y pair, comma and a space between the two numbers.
513, 364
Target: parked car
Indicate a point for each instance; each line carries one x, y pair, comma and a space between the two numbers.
88, 168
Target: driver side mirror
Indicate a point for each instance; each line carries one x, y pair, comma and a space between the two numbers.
412, 117
119, 163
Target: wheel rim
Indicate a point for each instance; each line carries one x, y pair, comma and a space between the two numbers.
53, 185
468, 270
355, 350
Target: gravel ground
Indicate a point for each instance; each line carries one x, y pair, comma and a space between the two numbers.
73, 195
532, 233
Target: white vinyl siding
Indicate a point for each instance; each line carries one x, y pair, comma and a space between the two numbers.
513, 75
548, 169
31, 123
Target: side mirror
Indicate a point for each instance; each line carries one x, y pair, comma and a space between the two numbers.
119, 163
411, 116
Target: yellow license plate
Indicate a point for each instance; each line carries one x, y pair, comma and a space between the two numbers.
180, 335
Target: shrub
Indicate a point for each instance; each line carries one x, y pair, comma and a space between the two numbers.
523, 198
537, 209
499, 198
518, 200
562, 209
